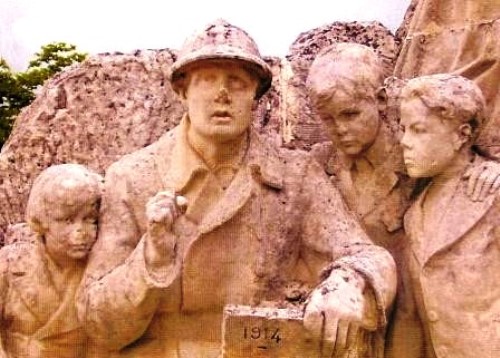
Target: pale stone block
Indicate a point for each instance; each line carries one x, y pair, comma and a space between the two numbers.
266, 332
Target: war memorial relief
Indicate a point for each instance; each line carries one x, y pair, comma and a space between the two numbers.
213, 202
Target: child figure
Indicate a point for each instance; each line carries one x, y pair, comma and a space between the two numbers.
365, 161
39, 278
454, 253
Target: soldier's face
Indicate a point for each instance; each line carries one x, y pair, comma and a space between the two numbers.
429, 141
71, 230
352, 124
220, 98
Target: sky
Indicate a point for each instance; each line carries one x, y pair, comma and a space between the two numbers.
125, 25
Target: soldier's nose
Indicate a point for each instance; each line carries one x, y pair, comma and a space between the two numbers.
223, 95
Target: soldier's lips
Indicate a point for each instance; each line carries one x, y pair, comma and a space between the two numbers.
222, 116
80, 248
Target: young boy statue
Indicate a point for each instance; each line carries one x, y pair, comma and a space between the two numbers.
454, 252
365, 161
39, 279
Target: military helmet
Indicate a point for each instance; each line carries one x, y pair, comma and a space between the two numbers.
221, 40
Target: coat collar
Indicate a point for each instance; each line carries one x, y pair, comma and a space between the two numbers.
34, 285
178, 164
384, 156
181, 164
461, 215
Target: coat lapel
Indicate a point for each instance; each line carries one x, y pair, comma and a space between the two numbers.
262, 163
413, 224
177, 165
233, 199
65, 318
31, 282
461, 215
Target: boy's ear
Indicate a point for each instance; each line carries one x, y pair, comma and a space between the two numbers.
381, 97
37, 226
464, 135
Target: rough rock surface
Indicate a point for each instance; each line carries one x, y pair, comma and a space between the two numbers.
90, 114
301, 127
114, 103
403, 29
447, 36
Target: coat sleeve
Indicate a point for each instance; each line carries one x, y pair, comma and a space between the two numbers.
329, 227
119, 295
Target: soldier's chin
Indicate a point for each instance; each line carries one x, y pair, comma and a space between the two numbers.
228, 134
78, 254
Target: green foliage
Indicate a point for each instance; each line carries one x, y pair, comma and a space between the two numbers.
51, 59
17, 90
13, 97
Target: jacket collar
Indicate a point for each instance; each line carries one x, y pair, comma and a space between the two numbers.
184, 164
461, 215
32, 282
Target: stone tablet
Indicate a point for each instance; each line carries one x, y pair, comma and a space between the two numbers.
266, 332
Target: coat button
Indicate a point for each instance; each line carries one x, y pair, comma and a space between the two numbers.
432, 316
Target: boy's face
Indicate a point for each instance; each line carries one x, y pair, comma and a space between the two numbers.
428, 140
352, 124
220, 97
71, 230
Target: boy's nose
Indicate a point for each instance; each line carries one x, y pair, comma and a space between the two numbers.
405, 141
341, 129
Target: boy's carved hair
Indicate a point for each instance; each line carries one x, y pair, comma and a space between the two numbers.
57, 186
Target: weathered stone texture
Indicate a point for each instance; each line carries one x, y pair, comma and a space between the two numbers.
302, 128
91, 114
403, 29
447, 36
114, 103
266, 332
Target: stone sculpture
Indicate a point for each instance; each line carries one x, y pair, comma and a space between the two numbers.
464, 34
213, 214
364, 160
39, 279
454, 254
114, 103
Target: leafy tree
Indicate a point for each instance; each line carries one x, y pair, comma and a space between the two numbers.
13, 97
51, 59
17, 90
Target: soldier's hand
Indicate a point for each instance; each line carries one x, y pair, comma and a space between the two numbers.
340, 315
161, 212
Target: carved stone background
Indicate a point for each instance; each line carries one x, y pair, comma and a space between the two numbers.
115, 103
300, 126
90, 114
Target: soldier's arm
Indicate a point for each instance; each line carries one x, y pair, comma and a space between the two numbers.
120, 293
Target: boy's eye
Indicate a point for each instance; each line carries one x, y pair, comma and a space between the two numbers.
351, 113
327, 118
419, 130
